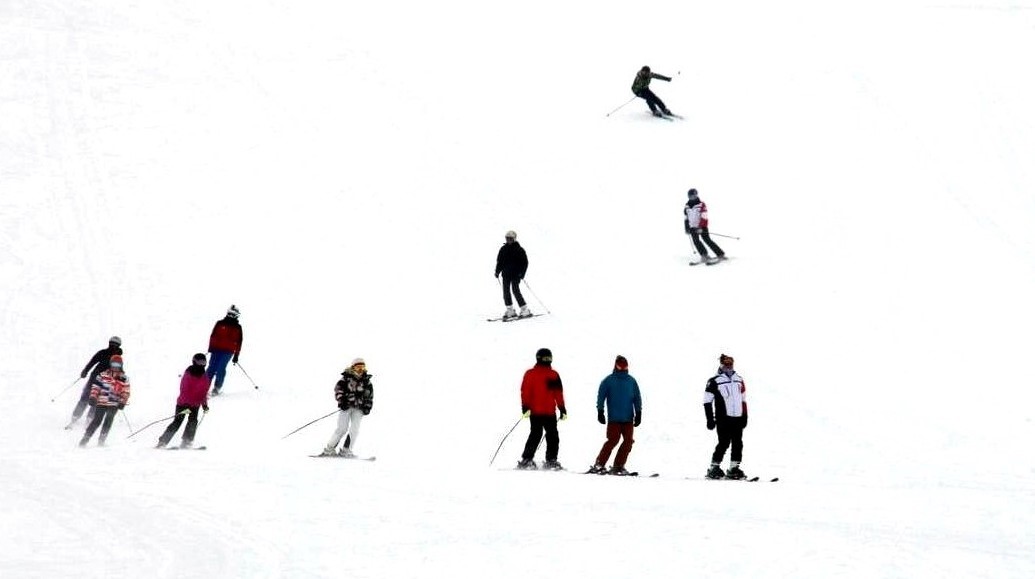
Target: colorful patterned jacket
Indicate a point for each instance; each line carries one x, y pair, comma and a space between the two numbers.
110, 388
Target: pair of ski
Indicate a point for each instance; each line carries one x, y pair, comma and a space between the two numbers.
751, 479
628, 474
365, 458
671, 117
711, 261
514, 319
185, 447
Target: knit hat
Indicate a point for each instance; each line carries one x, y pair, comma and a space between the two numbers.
691, 194
357, 362
544, 356
199, 359
115, 340
115, 361
511, 234
621, 363
233, 312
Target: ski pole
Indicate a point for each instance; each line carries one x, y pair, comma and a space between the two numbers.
620, 107
531, 291
65, 389
726, 236
238, 364
185, 411
308, 423
505, 439
126, 418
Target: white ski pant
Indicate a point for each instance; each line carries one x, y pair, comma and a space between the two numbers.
348, 423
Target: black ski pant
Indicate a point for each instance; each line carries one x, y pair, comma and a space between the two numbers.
512, 284
103, 416
540, 423
188, 433
652, 99
731, 432
84, 400
701, 233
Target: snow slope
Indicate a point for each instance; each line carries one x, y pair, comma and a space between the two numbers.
345, 174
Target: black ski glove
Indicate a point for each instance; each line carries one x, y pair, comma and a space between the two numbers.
638, 418
600, 417
711, 424
745, 421
236, 358
709, 416
122, 406
83, 375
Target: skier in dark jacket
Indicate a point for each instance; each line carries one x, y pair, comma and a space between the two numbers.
225, 346
624, 411
99, 363
726, 391
512, 263
354, 394
641, 88
542, 395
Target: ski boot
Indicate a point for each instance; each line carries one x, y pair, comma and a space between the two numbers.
328, 452
526, 464
186, 444
657, 113
666, 112
735, 473
715, 472
597, 469
510, 314
524, 313
618, 471
345, 452
552, 465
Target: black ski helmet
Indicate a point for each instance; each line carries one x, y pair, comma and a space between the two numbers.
691, 193
544, 356
645, 69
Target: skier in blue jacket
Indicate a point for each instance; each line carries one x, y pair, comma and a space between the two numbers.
624, 412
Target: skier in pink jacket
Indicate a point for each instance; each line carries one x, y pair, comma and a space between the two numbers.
193, 396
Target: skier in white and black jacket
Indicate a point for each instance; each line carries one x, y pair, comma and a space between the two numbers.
725, 391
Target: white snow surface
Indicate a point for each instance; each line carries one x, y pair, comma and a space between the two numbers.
344, 173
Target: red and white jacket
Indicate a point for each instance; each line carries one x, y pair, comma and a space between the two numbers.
697, 215
110, 388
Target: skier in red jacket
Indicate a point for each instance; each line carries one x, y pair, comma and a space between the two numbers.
541, 396
225, 346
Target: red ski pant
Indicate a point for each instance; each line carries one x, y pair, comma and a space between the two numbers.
614, 431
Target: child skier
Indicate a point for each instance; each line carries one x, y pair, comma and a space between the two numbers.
109, 394
193, 395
